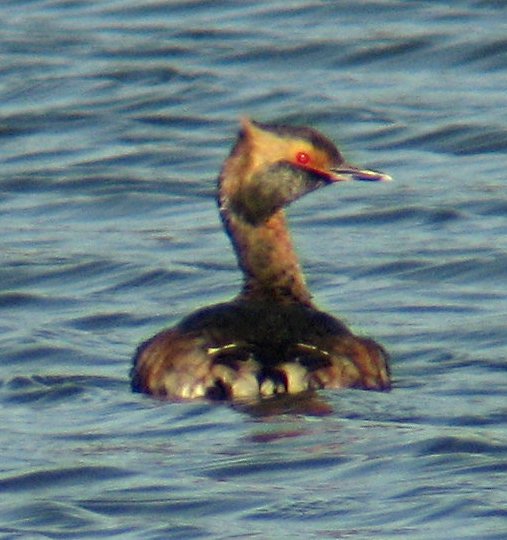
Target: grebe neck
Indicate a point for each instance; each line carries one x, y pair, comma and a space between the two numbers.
267, 258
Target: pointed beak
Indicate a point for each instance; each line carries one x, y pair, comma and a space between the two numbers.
345, 172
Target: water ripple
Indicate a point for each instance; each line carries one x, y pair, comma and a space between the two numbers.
116, 117
41, 479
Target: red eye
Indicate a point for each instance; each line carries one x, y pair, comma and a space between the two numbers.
303, 158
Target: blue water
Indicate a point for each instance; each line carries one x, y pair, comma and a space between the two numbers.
114, 119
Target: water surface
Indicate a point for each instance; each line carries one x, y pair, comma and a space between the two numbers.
114, 120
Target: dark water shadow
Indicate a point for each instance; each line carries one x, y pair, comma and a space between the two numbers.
304, 403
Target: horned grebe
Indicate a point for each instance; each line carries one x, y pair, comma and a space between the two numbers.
271, 338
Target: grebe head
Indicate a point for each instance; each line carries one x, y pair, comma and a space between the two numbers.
272, 165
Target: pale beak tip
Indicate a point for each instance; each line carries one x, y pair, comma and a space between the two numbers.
385, 178
371, 176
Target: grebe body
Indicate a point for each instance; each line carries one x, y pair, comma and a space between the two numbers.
271, 338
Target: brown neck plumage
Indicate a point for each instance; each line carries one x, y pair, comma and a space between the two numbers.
267, 258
